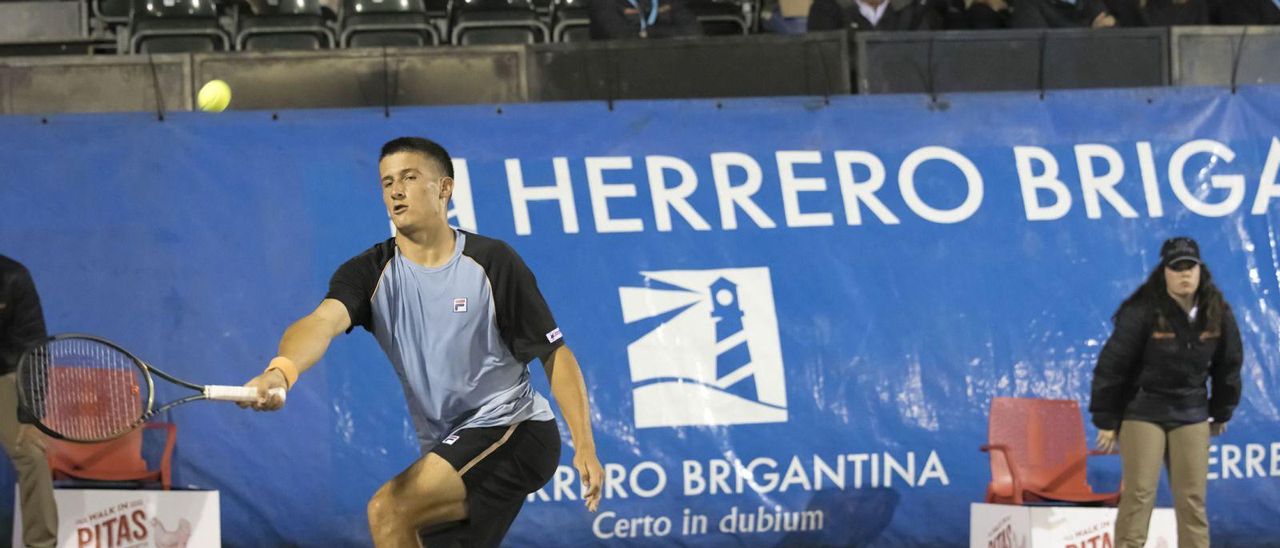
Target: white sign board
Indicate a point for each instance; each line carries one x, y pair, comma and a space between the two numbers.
112, 518
1009, 526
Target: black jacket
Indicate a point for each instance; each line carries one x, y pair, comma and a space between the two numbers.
615, 19
1159, 13
1156, 364
1055, 14
981, 16
1248, 12
898, 15
21, 321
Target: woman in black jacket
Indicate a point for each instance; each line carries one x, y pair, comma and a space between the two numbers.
1172, 336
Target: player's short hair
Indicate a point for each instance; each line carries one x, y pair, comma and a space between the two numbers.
426, 147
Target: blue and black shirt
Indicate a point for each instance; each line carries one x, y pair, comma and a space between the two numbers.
460, 335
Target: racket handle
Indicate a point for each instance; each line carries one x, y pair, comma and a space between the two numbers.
238, 393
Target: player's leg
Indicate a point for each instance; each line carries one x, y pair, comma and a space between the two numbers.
428, 493
497, 487
492, 517
471, 452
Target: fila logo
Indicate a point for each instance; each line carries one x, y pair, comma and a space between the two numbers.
460, 304
711, 354
449, 440
553, 335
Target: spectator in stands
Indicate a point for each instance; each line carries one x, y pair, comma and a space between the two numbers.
874, 15
615, 19
785, 16
1159, 13
21, 327
988, 14
1249, 12
1060, 14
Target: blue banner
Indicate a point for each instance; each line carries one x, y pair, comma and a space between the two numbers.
792, 314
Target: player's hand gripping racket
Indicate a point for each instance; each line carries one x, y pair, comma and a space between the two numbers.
85, 389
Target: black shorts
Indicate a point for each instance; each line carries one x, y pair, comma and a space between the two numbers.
500, 466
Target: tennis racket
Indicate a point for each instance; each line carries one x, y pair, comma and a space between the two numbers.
83, 388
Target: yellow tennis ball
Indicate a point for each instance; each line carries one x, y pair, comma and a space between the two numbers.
214, 96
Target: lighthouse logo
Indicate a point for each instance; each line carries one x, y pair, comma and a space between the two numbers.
711, 354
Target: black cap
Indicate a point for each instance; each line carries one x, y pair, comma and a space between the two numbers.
1180, 248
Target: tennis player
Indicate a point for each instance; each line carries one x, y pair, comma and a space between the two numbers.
460, 317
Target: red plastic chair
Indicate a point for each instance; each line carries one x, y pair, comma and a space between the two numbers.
1038, 454
118, 460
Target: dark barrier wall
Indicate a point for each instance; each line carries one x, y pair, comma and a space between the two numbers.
1225, 56
923, 62
888, 267
367, 77
43, 85
815, 64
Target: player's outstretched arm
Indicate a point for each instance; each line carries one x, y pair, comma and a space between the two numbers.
570, 391
302, 345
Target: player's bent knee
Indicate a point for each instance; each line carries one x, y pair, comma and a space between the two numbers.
381, 511
430, 491
388, 515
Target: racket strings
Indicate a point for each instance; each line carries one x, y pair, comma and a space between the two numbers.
85, 389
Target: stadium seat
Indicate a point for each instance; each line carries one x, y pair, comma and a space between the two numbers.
114, 462
1038, 454
476, 22
720, 17
373, 23
111, 12
176, 26
287, 24
438, 14
570, 21
107, 463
